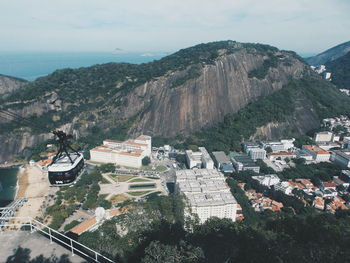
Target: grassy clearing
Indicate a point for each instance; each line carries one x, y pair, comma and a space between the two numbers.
138, 193
122, 177
119, 198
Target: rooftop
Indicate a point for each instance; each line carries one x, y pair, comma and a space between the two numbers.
221, 157
315, 149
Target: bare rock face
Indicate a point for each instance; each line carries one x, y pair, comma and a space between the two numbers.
221, 88
9, 84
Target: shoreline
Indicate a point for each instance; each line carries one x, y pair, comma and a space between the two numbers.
12, 164
22, 182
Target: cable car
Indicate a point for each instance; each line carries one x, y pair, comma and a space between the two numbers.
63, 171
65, 167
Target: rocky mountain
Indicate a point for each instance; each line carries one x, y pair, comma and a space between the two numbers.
340, 69
329, 55
193, 91
9, 84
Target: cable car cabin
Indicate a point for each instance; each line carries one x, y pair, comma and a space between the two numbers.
63, 172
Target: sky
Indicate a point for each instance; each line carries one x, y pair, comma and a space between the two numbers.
305, 26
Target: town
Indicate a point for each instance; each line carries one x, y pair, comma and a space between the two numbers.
272, 175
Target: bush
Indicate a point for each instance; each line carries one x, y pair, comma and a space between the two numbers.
146, 161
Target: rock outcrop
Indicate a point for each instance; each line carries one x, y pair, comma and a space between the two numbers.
221, 88
9, 84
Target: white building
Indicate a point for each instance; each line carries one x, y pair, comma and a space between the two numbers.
324, 136
128, 153
284, 187
257, 153
318, 154
206, 193
247, 146
199, 159
288, 144
275, 146
267, 180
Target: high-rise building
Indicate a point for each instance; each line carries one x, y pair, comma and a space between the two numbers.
206, 193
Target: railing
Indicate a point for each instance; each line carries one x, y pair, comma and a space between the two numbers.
10, 210
74, 246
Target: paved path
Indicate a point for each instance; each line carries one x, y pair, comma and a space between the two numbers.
39, 245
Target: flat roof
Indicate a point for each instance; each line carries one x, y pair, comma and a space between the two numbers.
221, 157
210, 199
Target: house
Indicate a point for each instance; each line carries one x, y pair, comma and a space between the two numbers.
334, 205
329, 193
318, 203
284, 187
329, 185
308, 185
318, 154
267, 180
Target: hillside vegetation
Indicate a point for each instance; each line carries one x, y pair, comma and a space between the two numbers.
330, 54
340, 69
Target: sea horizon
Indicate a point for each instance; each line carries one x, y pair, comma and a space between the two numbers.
32, 65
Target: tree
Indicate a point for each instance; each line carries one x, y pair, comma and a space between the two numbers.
340, 188
107, 168
146, 161
157, 252
268, 149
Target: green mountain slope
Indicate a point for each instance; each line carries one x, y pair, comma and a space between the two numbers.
329, 55
215, 94
340, 69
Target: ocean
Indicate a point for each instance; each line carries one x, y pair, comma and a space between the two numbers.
8, 185
31, 65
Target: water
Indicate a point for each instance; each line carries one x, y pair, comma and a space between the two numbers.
31, 65
8, 185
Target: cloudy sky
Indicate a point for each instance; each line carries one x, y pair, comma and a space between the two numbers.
306, 26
